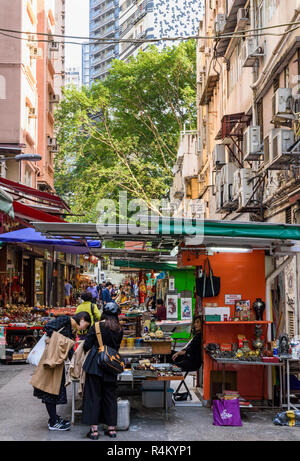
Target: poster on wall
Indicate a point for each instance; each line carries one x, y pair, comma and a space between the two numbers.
186, 309
172, 307
231, 299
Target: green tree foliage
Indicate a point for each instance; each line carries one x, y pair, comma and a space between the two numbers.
122, 134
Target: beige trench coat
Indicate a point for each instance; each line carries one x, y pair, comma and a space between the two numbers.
48, 374
76, 371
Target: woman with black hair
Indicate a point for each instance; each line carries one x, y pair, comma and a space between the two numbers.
189, 358
99, 397
69, 327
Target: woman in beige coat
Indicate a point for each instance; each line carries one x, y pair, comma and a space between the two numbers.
67, 326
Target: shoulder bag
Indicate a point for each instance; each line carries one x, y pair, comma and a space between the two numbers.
108, 358
208, 286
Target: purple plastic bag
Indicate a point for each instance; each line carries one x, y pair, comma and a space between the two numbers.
226, 413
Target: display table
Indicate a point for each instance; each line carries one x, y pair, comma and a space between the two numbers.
225, 362
135, 351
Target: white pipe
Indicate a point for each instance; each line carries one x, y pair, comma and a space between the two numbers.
269, 280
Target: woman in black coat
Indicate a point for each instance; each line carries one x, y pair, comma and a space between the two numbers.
68, 326
99, 396
190, 357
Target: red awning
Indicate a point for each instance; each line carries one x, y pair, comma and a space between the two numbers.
50, 198
32, 214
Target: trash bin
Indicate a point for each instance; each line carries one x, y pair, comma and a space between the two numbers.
123, 415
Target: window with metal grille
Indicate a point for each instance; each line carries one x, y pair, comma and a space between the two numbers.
276, 83
288, 215
291, 324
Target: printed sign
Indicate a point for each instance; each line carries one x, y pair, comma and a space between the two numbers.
186, 309
172, 302
231, 299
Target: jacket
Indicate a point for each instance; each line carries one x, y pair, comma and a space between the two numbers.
48, 374
76, 371
110, 338
106, 296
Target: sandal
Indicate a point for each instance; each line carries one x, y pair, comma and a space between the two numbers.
93, 435
111, 433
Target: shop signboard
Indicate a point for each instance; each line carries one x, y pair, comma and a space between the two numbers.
172, 306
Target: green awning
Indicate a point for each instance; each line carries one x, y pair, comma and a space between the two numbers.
145, 265
189, 227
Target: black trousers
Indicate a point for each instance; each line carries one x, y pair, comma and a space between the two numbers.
99, 402
186, 363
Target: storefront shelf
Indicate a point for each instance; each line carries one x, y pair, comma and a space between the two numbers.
263, 322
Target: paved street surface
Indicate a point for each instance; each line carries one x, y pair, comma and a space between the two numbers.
24, 418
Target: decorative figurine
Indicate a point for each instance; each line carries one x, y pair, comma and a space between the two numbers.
284, 347
258, 342
259, 307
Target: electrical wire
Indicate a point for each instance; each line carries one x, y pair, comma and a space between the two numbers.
98, 40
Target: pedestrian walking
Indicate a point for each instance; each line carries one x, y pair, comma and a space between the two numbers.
52, 375
92, 288
68, 292
106, 294
99, 397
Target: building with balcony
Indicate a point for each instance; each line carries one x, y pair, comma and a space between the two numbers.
85, 64
153, 19
73, 77
104, 23
248, 121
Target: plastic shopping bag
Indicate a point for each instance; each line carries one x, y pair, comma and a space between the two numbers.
226, 413
36, 353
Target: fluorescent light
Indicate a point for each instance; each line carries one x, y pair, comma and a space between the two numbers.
230, 250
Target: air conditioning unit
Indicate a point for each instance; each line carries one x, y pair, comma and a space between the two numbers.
36, 53
218, 156
272, 185
250, 52
251, 143
227, 173
243, 187
218, 191
220, 22
54, 98
282, 140
242, 18
32, 112
54, 46
52, 144
282, 105
268, 148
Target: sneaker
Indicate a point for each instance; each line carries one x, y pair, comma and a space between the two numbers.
59, 426
64, 421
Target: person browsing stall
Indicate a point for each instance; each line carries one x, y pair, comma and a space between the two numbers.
99, 397
161, 312
88, 306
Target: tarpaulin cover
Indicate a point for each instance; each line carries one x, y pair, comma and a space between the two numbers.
229, 229
32, 237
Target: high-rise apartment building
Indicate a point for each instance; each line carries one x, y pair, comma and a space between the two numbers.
73, 77
137, 19
104, 23
32, 75
85, 64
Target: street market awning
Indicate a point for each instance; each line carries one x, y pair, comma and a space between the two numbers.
29, 213
32, 237
157, 267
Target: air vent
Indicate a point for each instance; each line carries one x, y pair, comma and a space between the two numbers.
288, 215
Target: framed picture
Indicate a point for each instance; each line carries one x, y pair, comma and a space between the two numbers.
171, 284
242, 305
172, 303
186, 309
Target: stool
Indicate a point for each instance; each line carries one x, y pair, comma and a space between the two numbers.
74, 411
184, 384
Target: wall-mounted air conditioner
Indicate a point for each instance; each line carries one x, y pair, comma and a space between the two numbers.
282, 105
54, 98
218, 156
32, 113
250, 52
243, 187
218, 191
252, 148
54, 46
282, 140
220, 22
272, 184
227, 173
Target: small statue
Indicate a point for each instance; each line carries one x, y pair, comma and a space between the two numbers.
258, 342
259, 307
284, 347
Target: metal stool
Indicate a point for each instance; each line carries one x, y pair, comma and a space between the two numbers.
184, 384
74, 382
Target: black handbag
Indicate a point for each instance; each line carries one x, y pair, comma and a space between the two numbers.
208, 286
108, 358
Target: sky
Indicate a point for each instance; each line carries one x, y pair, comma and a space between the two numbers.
77, 23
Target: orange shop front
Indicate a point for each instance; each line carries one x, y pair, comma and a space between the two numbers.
241, 274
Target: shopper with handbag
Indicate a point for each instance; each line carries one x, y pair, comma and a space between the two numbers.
99, 398
48, 380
